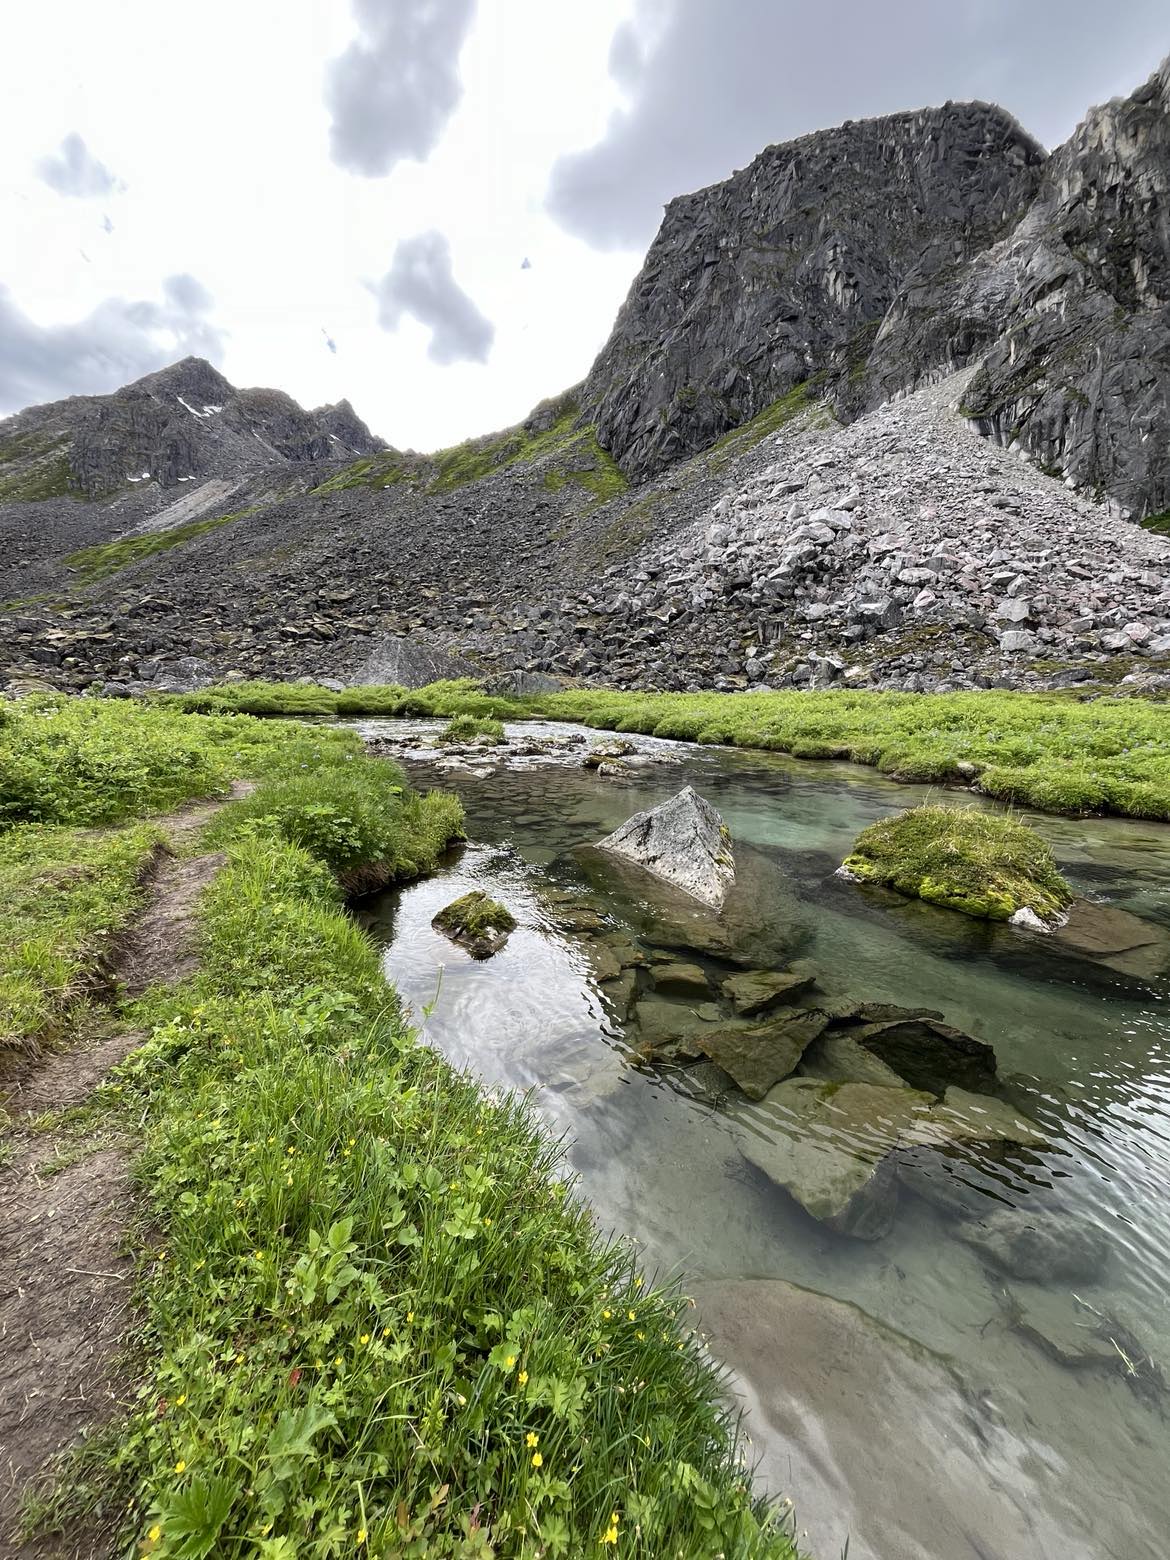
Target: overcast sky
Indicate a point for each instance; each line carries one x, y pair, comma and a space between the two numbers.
435, 207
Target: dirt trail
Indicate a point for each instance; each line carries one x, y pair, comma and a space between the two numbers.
65, 1275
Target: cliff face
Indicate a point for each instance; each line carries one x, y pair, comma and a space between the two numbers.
1081, 374
869, 259
184, 423
785, 272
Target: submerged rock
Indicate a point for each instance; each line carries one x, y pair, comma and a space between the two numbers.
760, 1055
963, 1117
833, 1149
1042, 1246
1115, 938
755, 991
929, 1055
684, 841
477, 923
836, 1057
684, 980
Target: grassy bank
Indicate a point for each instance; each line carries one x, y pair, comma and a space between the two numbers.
373, 1316
1053, 752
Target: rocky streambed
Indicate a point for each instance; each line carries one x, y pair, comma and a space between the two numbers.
912, 1164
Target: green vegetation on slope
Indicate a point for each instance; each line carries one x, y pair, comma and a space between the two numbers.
774, 417
579, 459
1160, 524
65, 893
106, 558
44, 469
373, 1317
1054, 752
987, 865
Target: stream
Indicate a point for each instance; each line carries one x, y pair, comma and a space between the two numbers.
909, 1396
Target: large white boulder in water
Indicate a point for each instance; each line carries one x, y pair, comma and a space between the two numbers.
684, 842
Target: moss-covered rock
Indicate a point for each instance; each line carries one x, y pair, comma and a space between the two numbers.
985, 864
473, 728
477, 923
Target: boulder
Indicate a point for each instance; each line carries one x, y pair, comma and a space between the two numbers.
667, 1031
684, 841
760, 1055
1115, 938
477, 923
832, 1149
755, 991
836, 1057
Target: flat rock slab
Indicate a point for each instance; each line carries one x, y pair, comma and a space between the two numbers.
755, 991
684, 841
760, 1055
830, 1147
836, 1057
963, 1117
1116, 938
682, 980
880, 1442
1039, 1245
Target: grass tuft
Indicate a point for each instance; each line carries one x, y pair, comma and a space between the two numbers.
987, 865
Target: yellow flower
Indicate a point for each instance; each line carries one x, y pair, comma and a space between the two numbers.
180, 1466
640, 1335
361, 1537
606, 1315
410, 1316
537, 1459
365, 1338
352, 1141
155, 1534
522, 1378
637, 1283
532, 1439
385, 1332
613, 1519
510, 1361
487, 1220
338, 1360
290, 1150
610, 1535
633, 1315
180, 1400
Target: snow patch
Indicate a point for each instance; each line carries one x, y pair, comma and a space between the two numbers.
209, 411
143, 478
186, 479
194, 413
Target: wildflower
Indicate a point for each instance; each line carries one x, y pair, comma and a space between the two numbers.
532, 1439
180, 1400
638, 1283
610, 1535
640, 1335
537, 1460
361, 1536
510, 1361
180, 1466
605, 1315
365, 1338
155, 1534
487, 1220
385, 1332
410, 1316
338, 1360
522, 1378
633, 1315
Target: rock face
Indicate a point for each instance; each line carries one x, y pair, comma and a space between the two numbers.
787, 269
858, 261
684, 842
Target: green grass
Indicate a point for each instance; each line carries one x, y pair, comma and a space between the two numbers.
386, 469
373, 1317
987, 865
66, 893
472, 914
1159, 524
473, 728
107, 558
1055, 752
358, 818
95, 761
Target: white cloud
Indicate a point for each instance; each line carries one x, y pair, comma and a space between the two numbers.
421, 283
74, 170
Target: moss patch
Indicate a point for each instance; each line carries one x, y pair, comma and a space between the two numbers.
477, 923
33, 468
98, 563
1159, 524
984, 864
770, 420
473, 728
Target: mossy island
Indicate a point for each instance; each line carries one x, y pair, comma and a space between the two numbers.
987, 865
464, 729
477, 923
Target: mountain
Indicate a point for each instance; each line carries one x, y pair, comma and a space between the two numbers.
185, 423
882, 409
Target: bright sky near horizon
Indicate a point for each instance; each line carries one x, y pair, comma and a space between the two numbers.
338, 197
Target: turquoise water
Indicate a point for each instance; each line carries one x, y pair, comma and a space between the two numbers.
1051, 1460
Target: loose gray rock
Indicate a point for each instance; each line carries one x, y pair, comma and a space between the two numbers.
684, 841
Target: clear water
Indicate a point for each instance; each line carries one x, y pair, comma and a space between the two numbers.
987, 1447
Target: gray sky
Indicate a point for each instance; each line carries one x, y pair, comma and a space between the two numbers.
337, 197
